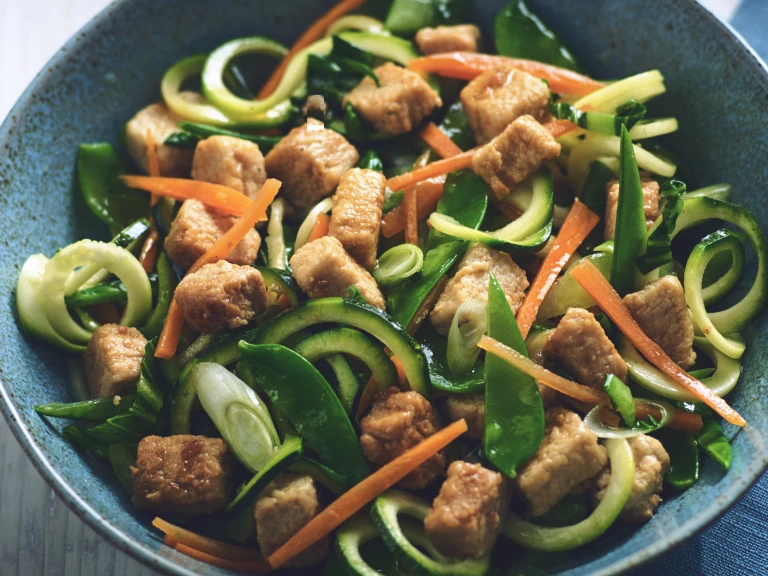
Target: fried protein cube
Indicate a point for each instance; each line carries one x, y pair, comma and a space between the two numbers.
112, 360
662, 312
461, 38
221, 296
309, 162
397, 422
471, 407
514, 155
651, 466
323, 268
650, 204
182, 474
569, 455
579, 343
468, 514
196, 229
161, 123
471, 281
231, 162
400, 102
285, 506
356, 215
496, 98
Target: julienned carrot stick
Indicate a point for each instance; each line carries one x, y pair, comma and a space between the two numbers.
610, 302
220, 198
439, 141
439, 168
179, 535
559, 127
682, 421
353, 500
249, 567
469, 65
171, 333
577, 226
148, 255
411, 210
507, 209
313, 33
321, 227
428, 194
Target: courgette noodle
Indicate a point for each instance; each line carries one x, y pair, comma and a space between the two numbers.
358, 22
640, 88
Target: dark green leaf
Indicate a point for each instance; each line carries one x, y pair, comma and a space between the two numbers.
659, 249
457, 128
683, 456
371, 161
203, 131
182, 140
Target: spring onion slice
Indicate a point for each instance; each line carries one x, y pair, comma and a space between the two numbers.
469, 324
117, 260
641, 88
567, 538
601, 430
275, 240
358, 22
398, 264
621, 399
717, 191
305, 230
652, 128
241, 418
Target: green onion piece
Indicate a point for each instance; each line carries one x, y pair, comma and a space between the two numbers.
714, 443
621, 398
275, 240
468, 326
305, 230
398, 264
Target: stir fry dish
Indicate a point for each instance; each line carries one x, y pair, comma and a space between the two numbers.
421, 301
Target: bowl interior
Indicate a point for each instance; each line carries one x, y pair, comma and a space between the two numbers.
113, 67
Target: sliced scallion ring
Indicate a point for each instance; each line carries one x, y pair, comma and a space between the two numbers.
601, 430
398, 264
305, 230
469, 324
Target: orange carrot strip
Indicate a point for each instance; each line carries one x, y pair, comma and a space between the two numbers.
426, 306
313, 33
401, 376
682, 421
221, 198
366, 398
353, 500
148, 255
321, 227
577, 226
559, 127
249, 567
469, 65
439, 141
171, 333
439, 168
428, 194
180, 535
610, 302
411, 210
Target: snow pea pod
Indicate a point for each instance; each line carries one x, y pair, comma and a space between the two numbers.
435, 349
97, 410
683, 457
715, 444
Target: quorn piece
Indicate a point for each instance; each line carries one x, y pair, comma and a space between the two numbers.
112, 360
160, 122
231, 162
459, 38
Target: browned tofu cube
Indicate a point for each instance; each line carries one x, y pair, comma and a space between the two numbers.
160, 122
400, 102
182, 474
221, 296
468, 514
309, 162
461, 38
356, 216
397, 422
496, 98
471, 407
471, 281
650, 204
196, 229
231, 162
323, 268
662, 312
514, 155
112, 360
579, 343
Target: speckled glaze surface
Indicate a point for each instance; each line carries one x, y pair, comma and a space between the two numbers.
717, 89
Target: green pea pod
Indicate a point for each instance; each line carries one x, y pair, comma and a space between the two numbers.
520, 33
98, 171
77, 436
714, 443
166, 284
97, 410
514, 413
123, 457
683, 456
300, 392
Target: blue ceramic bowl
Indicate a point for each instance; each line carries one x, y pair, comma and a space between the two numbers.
101, 77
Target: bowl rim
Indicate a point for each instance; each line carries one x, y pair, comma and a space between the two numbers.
166, 564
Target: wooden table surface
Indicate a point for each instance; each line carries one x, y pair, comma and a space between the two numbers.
38, 533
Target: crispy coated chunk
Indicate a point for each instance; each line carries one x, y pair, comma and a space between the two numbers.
398, 421
579, 343
398, 104
651, 466
221, 296
650, 203
471, 281
285, 506
514, 155
569, 454
112, 360
231, 162
468, 514
309, 162
661, 311
471, 407
196, 229
461, 38
182, 474
323, 268
356, 216
496, 98
161, 123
